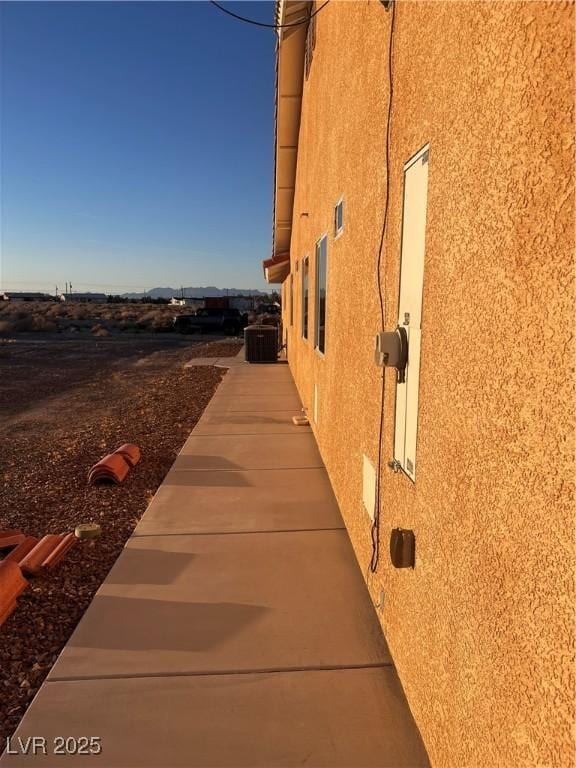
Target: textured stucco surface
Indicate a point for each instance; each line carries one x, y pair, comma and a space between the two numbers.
482, 630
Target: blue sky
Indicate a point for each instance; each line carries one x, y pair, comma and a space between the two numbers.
136, 145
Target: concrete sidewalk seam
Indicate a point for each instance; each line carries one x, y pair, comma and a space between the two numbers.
252, 434
232, 410
221, 673
241, 533
243, 469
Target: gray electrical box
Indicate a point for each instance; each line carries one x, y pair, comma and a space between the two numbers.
392, 350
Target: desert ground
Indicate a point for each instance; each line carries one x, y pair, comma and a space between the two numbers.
78, 318
66, 399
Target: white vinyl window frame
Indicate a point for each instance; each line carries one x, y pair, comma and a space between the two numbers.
305, 297
320, 284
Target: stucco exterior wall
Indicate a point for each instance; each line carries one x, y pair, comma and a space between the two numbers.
482, 630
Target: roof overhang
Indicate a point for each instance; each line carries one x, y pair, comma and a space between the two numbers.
289, 82
277, 269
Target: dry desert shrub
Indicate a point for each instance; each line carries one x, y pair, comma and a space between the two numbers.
55, 310
125, 325
99, 330
46, 326
77, 312
151, 320
22, 323
71, 316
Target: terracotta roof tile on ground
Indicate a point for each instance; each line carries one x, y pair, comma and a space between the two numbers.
113, 468
6, 532
20, 552
130, 452
32, 555
7, 542
12, 584
36, 560
67, 541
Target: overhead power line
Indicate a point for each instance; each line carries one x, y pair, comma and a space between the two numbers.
262, 23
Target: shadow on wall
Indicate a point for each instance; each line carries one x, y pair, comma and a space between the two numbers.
160, 625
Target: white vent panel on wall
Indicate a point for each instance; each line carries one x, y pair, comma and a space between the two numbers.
410, 306
368, 485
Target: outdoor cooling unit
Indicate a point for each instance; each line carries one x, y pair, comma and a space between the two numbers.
261, 343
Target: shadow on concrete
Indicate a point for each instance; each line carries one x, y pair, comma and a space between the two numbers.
213, 461
208, 479
136, 624
149, 566
205, 460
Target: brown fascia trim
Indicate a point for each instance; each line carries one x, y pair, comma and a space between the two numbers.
279, 6
280, 15
275, 150
277, 269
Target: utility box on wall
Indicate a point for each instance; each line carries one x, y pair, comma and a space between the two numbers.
410, 307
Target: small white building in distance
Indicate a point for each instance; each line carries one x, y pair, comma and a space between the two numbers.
186, 301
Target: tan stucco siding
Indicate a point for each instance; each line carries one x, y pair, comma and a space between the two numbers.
482, 629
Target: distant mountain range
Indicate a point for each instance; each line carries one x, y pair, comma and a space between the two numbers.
194, 292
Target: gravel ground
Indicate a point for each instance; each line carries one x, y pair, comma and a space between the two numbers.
73, 418
35, 366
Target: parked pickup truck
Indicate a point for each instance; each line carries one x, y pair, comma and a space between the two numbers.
226, 321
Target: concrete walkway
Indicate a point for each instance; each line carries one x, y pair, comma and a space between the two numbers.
235, 628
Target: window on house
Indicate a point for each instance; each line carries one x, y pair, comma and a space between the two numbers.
339, 217
321, 258
305, 298
310, 41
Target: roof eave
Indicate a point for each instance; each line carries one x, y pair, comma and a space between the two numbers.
277, 269
277, 273
289, 84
